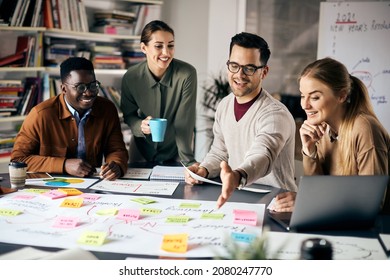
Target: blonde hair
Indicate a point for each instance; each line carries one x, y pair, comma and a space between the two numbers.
335, 75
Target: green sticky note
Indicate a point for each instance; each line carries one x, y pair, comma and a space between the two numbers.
9, 212
143, 200
215, 216
94, 238
150, 211
177, 219
107, 212
189, 205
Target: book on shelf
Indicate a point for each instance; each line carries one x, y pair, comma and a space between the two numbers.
117, 14
114, 30
174, 173
16, 59
47, 14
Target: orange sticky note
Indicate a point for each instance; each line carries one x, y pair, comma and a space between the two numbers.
175, 243
72, 203
70, 192
245, 217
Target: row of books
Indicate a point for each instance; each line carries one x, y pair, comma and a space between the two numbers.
7, 141
27, 52
21, 13
66, 15
62, 14
114, 22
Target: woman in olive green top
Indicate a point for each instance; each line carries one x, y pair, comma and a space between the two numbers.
161, 87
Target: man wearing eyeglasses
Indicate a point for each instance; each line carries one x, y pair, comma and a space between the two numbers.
254, 134
72, 132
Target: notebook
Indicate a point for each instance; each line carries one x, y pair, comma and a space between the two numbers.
335, 203
172, 173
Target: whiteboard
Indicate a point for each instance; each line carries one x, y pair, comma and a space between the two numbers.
358, 35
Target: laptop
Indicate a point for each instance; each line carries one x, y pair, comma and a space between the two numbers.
326, 202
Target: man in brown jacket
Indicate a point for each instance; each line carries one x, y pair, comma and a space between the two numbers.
72, 132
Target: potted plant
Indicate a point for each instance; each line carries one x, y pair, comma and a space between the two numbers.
216, 89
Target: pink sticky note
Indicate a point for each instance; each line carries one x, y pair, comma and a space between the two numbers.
128, 214
66, 222
245, 217
24, 196
54, 194
90, 197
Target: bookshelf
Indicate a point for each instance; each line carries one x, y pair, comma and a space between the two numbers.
81, 42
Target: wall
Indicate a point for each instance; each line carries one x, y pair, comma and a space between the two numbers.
202, 36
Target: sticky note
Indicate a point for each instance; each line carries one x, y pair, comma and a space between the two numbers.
243, 237
24, 196
143, 200
36, 190
214, 216
94, 238
90, 197
177, 219
128, 214
150, 211
66, 222
189, 205
72, 203
107, 212
175, 243
70, 192
245, 217
54, 194
9, 212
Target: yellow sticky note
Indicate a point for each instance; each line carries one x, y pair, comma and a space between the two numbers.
71, 191
176, 243
72, 203
107, 212
94, 238
9, 212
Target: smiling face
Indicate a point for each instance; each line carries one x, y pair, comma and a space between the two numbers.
320, 103
245, 87
159, 52
81, 102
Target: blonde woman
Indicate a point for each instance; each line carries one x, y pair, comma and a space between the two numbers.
342, 135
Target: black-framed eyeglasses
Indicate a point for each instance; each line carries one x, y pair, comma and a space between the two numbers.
248, 70
81, 88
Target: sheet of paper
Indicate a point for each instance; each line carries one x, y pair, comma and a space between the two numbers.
252, 188
66, 182
131, 173
286, 246
207, 237
200, 178
136, 186
386, 240
160, 172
